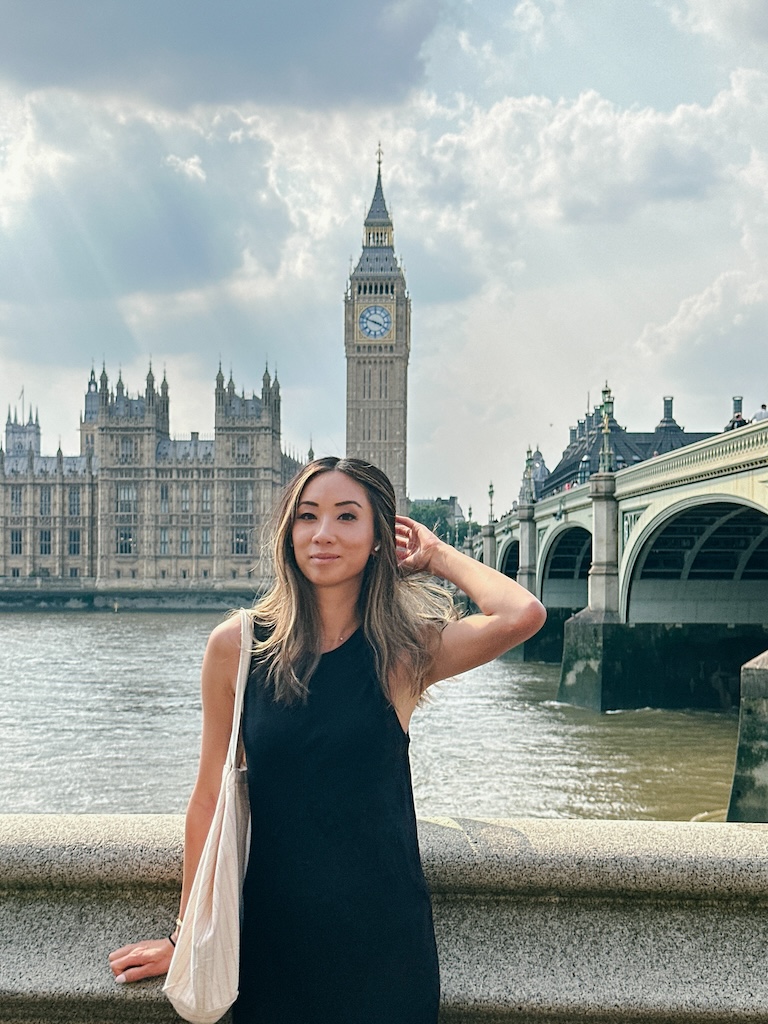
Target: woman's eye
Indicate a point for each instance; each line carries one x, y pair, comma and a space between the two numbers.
348, 516
306, 515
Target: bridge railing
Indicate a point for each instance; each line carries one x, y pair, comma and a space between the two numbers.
734, 451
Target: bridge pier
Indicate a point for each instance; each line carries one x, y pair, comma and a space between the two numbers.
609, 664
591, 641
749, 792
612, 665
488, 533
526, 573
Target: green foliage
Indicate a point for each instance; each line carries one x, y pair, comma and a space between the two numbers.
463, 529
436, 515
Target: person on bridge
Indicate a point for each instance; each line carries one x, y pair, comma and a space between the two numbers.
761, 414
736, 421
337, 922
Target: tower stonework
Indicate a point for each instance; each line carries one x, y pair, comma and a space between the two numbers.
377, 343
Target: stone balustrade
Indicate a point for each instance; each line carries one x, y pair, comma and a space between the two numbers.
539, 921
735, 451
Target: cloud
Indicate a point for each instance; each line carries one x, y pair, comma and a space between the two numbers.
549, 242
532, 19
744, 21
98, 202
733, 306
191, 167
183, 52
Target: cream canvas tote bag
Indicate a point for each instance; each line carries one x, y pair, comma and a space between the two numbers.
202, 981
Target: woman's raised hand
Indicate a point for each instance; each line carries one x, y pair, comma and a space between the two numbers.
140, 960
415, 545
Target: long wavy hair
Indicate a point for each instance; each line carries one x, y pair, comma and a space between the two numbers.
401, 615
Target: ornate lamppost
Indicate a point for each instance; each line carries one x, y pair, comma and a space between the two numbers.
606, 452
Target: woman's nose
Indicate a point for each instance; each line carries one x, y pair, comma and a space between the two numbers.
323, 529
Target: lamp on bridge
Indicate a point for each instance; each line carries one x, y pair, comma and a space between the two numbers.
606, 452
490, 500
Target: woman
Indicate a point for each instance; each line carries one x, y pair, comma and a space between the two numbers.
337, 924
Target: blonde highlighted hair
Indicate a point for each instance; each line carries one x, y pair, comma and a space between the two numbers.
402, 615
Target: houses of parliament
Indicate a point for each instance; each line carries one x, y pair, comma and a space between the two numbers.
137, 509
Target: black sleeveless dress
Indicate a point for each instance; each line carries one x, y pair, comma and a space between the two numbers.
337, 924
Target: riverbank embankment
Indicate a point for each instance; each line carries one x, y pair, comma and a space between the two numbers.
538, 920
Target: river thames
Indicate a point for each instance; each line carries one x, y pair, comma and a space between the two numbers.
100, 713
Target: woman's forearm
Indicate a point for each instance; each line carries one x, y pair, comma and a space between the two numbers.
491, 591
196, 826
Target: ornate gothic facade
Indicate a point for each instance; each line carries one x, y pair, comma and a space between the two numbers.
137, 508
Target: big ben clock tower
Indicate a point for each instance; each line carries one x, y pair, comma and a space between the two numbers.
377, 341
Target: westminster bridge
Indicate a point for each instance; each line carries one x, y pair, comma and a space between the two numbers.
655, 577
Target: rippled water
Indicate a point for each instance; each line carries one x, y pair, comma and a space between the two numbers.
100, 713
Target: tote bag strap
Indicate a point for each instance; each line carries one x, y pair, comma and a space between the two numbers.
235, 753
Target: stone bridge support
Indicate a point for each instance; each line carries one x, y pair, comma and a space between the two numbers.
590, 649
749, 792
488, 533
604, 573
679, 656
526, 573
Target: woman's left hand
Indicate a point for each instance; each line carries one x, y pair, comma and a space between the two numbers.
415, 545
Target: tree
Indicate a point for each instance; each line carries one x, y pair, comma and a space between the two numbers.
438, 516
433, 514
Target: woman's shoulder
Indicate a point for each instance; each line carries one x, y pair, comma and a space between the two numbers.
229, 631
225, 638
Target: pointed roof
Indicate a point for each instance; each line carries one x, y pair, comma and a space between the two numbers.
378, 215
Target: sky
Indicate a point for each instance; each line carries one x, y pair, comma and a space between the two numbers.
579, 191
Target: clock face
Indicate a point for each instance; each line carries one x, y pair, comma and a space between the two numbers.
375, 321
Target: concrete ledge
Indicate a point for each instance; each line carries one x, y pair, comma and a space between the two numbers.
537, 920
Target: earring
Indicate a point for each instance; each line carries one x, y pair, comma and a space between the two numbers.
377, 548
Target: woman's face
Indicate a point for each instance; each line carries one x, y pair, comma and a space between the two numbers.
333, 535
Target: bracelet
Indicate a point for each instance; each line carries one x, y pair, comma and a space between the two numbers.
176, 928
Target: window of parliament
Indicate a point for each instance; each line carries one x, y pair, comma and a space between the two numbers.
136, 508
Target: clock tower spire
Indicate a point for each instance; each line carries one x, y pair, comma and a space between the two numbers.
377, 342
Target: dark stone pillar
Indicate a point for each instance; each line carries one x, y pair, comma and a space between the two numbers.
547, 644
749, 792
612, 665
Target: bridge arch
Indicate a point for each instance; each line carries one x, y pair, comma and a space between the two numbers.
565, 562
509, 558
704, 559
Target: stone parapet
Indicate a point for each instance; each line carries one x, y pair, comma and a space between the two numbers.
537, 920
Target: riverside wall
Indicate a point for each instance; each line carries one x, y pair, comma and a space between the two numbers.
78, 596
546, 921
